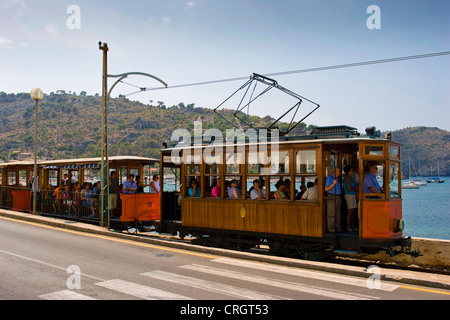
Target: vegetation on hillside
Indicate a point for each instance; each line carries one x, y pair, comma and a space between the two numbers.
70, 127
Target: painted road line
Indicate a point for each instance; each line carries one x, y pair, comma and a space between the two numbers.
139, 290
65, 295
236, 292
325, 276
324, 292
114, 239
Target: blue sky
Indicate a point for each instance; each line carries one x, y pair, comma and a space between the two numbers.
183, 41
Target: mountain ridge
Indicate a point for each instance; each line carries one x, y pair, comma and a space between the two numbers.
69, 123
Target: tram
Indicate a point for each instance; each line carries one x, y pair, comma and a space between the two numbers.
61, 184
288, 224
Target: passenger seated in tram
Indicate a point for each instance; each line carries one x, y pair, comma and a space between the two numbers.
233, 190
86, 199
194, 189
280, 193
216, 191
312, 192
257, 191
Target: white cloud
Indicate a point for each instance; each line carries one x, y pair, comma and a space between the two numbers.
166, 19
10, 44
6, 42
190, 4
52, 29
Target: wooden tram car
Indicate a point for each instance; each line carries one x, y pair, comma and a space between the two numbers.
15, 192
286, 225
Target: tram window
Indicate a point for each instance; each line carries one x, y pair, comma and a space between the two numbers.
134, 172
255, 162
373, 150
23, 178
213, 168
280, 162
124, 175
394, 173
11, 178
193, 169
53, 177
92, 175
394, 152
306, 161
171, 179
233, 163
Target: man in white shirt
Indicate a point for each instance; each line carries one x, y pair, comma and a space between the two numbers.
311, 193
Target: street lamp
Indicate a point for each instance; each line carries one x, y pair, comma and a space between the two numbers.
36, 94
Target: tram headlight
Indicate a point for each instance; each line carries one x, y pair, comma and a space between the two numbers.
399, 225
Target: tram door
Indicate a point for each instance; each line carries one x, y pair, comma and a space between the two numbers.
170, 174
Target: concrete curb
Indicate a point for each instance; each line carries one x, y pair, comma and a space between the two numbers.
407, 277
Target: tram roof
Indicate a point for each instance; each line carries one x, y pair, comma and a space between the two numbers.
79, 161
287, 141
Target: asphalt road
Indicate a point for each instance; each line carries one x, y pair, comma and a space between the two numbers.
42, 262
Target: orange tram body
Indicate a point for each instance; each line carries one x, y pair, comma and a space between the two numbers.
285, 226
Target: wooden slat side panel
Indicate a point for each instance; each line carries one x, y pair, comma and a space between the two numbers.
291, 218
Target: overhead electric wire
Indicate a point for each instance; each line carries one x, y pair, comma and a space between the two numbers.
332, 67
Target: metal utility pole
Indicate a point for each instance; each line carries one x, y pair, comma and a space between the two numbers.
105, 163
105, 214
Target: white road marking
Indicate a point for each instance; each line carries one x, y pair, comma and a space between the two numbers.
139, 290
324, 292
240, 293
306, 273
65, 295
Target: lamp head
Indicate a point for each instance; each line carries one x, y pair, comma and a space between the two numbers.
36, 94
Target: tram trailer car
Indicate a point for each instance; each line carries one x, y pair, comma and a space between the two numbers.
287, 226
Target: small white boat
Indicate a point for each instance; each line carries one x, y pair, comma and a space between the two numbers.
419, 182
410, 185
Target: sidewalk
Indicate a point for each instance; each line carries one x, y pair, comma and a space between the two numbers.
407, 277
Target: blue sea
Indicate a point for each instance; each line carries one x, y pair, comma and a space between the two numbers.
426, 211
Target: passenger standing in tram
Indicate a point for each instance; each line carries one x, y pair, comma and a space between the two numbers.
333, 189
350, 198
154, 185
141, 186
112, 197
130, 186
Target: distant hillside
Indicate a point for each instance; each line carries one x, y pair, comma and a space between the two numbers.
69, 127
427, 148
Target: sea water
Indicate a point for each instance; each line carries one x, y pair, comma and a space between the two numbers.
426, 211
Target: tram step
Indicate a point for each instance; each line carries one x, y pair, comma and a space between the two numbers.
351, 252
